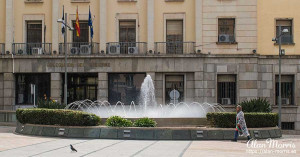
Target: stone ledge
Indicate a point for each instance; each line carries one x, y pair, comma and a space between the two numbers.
158, 133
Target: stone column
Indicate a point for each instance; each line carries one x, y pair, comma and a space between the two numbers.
150, 21
199, 22
159, 86
9, 91
209, 83
198, 79
102, 87
1, 92
56, 86
55, 25
9, 32
103, 25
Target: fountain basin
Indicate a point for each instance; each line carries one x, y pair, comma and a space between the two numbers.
158, 133
174, 122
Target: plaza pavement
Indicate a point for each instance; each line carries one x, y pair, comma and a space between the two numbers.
13, 145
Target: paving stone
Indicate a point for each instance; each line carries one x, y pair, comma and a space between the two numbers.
37, 130
228, 134
126, 133
92, 132
76, 132
264, 134
163, 134
198, 134
27, 130
109, 133
144, 134
272, 133
48, 131
215, 135
61, 132
278, 132
181, 134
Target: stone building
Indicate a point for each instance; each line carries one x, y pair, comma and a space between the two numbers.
216, 51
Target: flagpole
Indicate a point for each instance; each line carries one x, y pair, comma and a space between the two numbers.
90, 16
66, 73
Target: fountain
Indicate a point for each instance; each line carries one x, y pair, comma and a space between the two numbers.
147, 107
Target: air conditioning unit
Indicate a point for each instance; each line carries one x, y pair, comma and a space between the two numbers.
37, 51
74, 50
114, 49
226, 101
285, 101
133, 50
85, 49
21, 52
224, 38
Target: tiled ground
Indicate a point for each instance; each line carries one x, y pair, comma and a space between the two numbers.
13, 145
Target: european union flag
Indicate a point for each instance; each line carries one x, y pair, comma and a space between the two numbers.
91, 23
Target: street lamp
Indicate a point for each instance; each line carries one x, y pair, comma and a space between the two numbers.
65, 45
281, 53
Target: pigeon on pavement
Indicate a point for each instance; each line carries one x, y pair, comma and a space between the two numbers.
72, 148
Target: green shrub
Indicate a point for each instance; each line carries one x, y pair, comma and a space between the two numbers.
253, 120
145, 122
256, 105
57, 117
49, 104
117, 121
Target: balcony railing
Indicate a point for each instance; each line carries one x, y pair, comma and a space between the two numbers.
80, 48
32, 48
2, 48
174, 47
126, 48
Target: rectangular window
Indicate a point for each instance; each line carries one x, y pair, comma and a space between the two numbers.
127, 35
23, 87
84, 33
287, 89
174, 37
124, 87
174, 87
286, 38
288, 125
34, 32
226, 30
82, 86
227, 89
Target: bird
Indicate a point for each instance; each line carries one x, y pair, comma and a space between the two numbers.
72, 148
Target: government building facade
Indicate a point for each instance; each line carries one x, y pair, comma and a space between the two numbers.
215, 51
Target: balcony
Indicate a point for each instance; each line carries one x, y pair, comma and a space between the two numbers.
131, 48
174, 47
2, 48
32, 48
80, 48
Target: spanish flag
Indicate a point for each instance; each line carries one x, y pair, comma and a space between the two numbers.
77, 27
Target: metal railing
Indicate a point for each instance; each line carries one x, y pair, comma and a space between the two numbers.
2, 48
174, 47
7, 116
32, 48
126, 48
80, 48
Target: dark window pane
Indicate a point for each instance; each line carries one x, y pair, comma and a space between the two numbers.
84, 32
82, 86
124, 87
174, 37
287, 89
285, 24
34, 31
23, 89
226, 89
226, 30
174, 82
127, 35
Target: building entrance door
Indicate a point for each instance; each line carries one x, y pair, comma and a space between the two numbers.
174, 89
